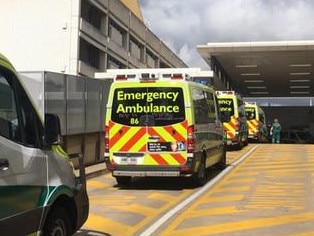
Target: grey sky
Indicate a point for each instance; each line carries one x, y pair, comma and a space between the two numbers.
183, 24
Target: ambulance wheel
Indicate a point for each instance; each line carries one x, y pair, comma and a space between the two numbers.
239, 146
124, 180
200, 177
58, 223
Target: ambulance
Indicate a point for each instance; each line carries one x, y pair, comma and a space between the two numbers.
161, 123
40, 194
232, 110
256, 122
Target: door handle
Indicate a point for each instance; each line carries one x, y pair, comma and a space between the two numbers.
4, 164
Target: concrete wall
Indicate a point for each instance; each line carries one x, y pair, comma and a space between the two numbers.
26, 37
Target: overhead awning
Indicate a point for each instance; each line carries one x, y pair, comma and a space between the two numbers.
264, 69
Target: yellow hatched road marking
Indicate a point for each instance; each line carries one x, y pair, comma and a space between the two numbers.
240, 225
136, 208
102, 224
112, 200
213, 211
212, 199
232, 188
97, 184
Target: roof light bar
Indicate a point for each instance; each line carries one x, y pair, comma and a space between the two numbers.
225, 92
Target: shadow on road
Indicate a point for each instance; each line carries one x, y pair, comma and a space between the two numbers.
85, 232
166, 183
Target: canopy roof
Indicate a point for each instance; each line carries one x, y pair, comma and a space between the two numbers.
271, 69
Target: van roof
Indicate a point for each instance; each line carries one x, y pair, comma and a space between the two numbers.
6, 63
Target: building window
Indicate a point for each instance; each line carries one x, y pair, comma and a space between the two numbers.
117, 34
114, 63
163, 65
92, 14
136, 49
89, 54
151, 59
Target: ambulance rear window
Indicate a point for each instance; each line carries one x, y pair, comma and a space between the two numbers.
250, 113
152, 106
226, 107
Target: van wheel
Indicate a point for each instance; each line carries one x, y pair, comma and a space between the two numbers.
200, 177
123, 180
58, 223
239, 146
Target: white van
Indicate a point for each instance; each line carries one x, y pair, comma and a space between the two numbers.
159, 122
39, 192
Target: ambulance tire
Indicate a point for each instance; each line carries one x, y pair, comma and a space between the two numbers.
246, 140
239, 146
123, 180
200, 178
58, 223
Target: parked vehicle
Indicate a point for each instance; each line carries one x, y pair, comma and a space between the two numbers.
161, 123
39, 190
234, 119
256, 121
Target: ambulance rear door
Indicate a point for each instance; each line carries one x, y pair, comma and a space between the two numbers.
148, 129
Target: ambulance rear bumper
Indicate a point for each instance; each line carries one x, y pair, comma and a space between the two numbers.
147, 173
155, 171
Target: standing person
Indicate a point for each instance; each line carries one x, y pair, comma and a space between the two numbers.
275, 131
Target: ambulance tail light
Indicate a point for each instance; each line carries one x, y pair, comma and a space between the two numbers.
121, 77
237, 124
177, 77
191, 139
107, 139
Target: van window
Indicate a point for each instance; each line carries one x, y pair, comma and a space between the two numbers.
211, 106
204, 107
18, 120
250, 113
8, 112
226, 107
152, 106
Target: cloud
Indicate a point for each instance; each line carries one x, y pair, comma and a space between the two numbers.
184, 24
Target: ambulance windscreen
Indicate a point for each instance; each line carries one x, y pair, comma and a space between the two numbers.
152, 106
226, 108
250, 113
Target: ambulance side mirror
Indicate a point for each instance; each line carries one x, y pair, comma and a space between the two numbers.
52, 129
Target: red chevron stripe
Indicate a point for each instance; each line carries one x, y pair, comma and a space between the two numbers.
159, 159
179, 158
133, 140
115, 138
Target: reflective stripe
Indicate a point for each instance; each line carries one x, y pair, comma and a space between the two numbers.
125, 139
230, 128
253, 127
59, 150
